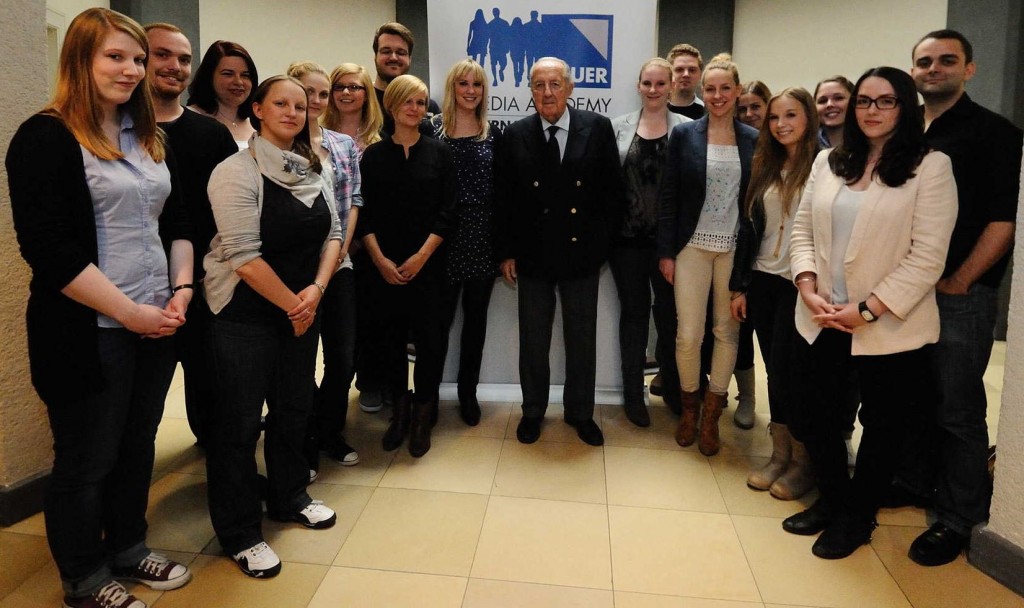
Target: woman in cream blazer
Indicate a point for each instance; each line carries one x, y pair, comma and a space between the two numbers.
869, 243
642, 138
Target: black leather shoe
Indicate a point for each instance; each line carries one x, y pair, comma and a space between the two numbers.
842, 538
637, 414
938, 545
655, 386
469, 410
809, 522
528, 430
589, 432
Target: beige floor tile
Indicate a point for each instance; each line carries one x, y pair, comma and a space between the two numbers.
217, 581
373, 461
956, 584
544, 541
645, 600
787, 572
552, 471
619, 431
179, 519
746, 442
664, 479
454, 464
553, 429
678, 553
294, 543
731, 473
494, 419
482, 593
416, 531
176, 450
355, 588
22, 555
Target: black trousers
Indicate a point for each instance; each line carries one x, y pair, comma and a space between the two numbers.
476, 298
579, 330
890, 387
771, 302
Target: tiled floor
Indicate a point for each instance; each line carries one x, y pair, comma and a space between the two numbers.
484, 522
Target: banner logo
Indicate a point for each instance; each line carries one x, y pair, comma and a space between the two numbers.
584, 41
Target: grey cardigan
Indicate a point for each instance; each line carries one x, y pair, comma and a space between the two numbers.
625, 128
236, 197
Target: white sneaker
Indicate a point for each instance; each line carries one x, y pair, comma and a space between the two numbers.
370, 401
259, 561
317, 516
313, 474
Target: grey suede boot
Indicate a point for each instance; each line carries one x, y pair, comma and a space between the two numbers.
743, 417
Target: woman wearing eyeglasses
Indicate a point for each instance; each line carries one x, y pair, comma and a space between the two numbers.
353, 109
869, 243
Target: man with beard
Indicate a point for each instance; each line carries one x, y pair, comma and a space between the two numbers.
199, 144
392, 55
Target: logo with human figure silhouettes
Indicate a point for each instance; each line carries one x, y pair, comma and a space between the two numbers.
583, 41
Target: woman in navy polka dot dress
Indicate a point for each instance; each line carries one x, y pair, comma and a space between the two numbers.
471, 264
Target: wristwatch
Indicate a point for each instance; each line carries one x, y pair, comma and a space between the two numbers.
866, 313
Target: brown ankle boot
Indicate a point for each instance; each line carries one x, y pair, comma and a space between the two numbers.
419, 432
686, 432
798, 478
762, 479
709, 442
399, 427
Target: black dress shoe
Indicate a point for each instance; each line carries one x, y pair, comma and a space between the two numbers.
809, 522
469, 410
528, 430
589, 432
938, 545
842, 538
637, 413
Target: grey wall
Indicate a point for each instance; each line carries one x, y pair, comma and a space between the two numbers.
706, 24
182, 13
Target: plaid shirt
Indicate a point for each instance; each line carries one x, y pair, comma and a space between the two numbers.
345, 161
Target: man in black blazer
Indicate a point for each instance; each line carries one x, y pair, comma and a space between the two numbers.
559, 194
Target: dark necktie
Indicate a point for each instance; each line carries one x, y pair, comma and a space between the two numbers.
553, 152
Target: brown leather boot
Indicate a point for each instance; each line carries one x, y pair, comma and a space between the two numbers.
686, 432
709, 442
399, 426
798, 478
419, 433
762, 479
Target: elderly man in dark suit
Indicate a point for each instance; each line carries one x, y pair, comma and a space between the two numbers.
559, 193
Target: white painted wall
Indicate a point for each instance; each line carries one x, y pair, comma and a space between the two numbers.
1007, 515
799, 42
275, 34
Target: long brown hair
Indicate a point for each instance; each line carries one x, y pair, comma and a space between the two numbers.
76, 101
770, 157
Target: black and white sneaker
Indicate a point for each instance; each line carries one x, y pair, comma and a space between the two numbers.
258, 561
316, 515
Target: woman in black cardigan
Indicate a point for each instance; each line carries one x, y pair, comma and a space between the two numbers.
101, 280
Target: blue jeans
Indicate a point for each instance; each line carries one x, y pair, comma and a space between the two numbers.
254, 362
959, 359
103, 448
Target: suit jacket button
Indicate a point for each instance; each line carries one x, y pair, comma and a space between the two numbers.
578, 183
536, 184
573, 239
573, 210
545, 209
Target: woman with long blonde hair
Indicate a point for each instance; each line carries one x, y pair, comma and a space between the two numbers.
101, 281
472, 267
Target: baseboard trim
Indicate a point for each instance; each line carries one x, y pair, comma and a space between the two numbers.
23, 499
513, 393
998, 558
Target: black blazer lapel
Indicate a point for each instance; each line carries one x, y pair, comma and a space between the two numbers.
576, 144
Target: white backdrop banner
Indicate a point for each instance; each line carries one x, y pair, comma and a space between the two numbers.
604, 41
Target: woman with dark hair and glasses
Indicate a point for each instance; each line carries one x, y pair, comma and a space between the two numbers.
868, 245
223, 88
